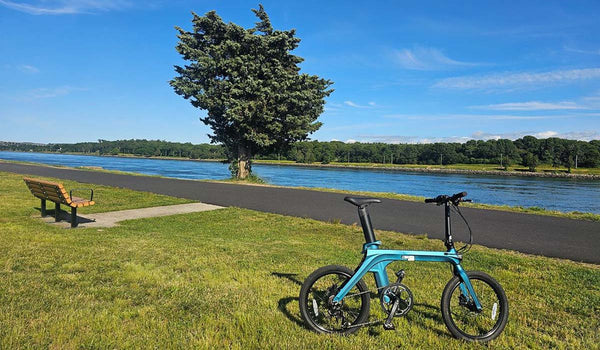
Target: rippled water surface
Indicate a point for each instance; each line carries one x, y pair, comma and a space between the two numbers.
550, 193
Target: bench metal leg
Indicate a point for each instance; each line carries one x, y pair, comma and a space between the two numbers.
57, 212
74, 221
43, 207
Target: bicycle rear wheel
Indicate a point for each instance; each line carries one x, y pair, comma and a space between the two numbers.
317, 309
462, 318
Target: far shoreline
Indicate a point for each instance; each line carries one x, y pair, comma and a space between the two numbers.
367, 166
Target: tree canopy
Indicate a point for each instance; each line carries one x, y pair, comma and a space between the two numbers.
250, 85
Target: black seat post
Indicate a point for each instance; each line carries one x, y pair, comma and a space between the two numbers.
365, 221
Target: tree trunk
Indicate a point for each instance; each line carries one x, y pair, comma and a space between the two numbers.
243, 168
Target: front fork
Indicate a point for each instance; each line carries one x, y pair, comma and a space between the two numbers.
466, 288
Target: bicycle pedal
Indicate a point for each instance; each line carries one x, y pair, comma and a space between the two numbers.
389, 326
400, 275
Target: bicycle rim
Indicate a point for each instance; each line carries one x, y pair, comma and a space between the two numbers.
473, 324
322, 314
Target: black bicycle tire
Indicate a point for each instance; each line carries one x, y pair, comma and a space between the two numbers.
309, 282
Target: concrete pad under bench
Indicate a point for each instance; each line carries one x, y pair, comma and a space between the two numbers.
112, 218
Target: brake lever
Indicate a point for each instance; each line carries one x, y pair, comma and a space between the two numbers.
458, 201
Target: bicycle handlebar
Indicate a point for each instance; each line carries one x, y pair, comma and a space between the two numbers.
443, 198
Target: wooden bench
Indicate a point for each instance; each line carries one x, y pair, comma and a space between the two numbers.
56, 193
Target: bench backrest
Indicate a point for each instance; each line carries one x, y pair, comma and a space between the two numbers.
52, 191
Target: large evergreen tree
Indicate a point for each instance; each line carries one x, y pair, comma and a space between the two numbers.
249, 83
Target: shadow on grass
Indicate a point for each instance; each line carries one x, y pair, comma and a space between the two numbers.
421, 311
416, 315
288, 276
63, 215
282, 305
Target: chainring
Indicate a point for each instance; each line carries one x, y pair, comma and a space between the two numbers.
395, 291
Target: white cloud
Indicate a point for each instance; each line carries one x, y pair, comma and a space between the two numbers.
593, 101
480, 135
62, 7
531, 106
424, 58
42, 93
586, 52
482, 116
356, 105
518, 80
545, 134
397, 139
360, 126
351, 141
330, 109
26, 68
587, 135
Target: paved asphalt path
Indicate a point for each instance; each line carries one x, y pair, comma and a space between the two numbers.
577, 240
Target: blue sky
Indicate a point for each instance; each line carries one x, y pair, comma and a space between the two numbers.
81, 70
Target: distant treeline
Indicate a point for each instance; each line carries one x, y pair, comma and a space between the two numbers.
528, 151
146, 148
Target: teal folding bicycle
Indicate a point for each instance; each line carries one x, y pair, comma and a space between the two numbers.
335, 299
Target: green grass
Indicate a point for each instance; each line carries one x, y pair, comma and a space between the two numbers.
543, 168
252, 179
230, 279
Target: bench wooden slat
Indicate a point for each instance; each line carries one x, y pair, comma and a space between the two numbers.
48, 190
81, 202
51, 197
42, 193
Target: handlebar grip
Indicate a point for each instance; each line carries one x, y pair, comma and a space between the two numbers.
458, 196
430, 200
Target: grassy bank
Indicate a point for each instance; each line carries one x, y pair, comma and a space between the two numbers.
491, 168
230, 279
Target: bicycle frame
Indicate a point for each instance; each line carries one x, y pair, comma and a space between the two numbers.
376, 260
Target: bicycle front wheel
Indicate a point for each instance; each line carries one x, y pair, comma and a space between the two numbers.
324, 316
460, 314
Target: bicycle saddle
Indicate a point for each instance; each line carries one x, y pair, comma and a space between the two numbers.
361, 202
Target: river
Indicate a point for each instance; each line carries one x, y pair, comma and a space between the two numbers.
561, 194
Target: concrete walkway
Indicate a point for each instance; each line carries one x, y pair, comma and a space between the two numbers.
112, 218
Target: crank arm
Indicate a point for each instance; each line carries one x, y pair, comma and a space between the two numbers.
388, 325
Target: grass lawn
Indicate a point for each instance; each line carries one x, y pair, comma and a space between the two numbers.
230, 279
479, 167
